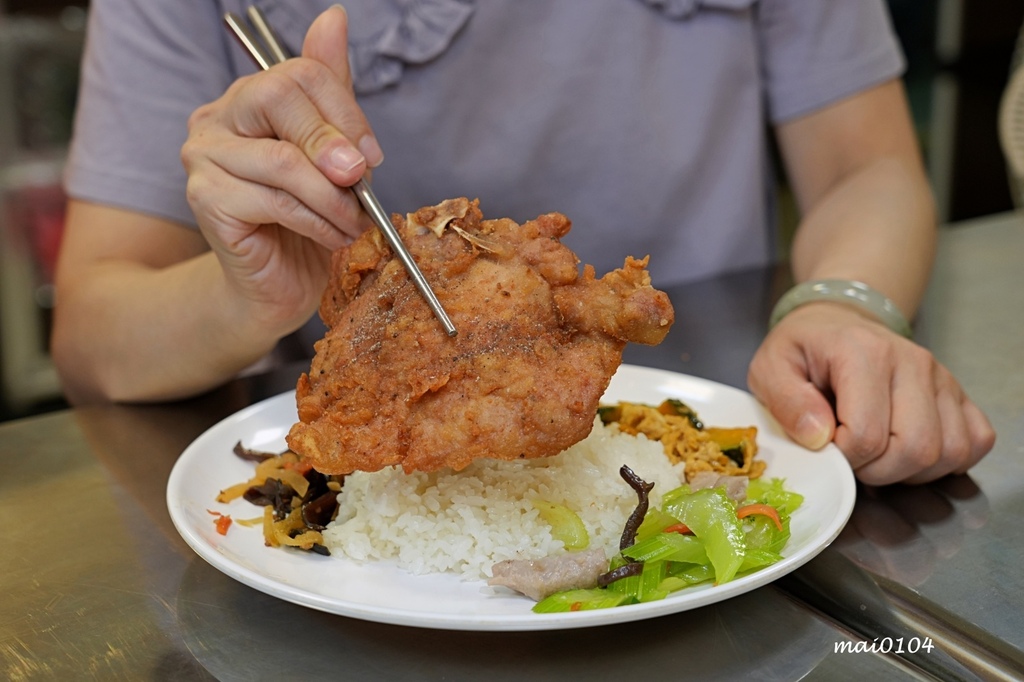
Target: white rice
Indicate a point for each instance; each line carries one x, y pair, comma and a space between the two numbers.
467, 521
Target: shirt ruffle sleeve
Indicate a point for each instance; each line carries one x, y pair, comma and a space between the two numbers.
419, 31
684, 9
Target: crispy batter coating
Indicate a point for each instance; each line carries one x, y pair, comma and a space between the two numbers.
536, 347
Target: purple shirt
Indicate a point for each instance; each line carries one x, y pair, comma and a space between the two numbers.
645, 121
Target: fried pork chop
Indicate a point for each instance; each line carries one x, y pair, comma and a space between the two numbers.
536, 347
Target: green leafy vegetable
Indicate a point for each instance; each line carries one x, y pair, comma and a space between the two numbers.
669, 547
579, 600
711, 515
663, 560
772, 492
566, 525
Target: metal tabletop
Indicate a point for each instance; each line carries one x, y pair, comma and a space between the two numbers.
97, 584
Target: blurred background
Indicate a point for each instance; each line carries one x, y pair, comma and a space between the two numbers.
959, 56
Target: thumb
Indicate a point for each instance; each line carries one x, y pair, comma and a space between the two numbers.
327, 42
804, 413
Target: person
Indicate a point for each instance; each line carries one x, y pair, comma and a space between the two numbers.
646, 121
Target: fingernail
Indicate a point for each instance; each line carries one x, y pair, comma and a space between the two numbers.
811, 433
345, 159
371, 151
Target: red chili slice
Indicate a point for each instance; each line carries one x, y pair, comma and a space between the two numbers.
222, 522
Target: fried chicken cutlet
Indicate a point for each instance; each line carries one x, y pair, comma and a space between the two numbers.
537, 345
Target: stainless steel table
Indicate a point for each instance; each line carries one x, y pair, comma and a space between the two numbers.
97, 584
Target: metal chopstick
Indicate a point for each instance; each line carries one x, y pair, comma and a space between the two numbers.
250, 41
267, 33
270, 52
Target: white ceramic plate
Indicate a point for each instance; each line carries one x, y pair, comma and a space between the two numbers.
386, 594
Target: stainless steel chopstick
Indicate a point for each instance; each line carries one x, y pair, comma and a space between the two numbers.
250, 41
270, 52
369, 201
269, 37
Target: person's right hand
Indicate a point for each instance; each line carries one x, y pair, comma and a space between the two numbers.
267, 163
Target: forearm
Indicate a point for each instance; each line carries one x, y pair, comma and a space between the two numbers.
868, 213
129, 332
877, 227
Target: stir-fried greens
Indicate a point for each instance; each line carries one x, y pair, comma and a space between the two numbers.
695, 536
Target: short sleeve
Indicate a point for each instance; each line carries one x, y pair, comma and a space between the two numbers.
816, 52
146, 67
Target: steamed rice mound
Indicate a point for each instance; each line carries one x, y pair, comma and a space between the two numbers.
464, 522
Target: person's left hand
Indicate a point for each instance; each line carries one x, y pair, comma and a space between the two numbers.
829, 373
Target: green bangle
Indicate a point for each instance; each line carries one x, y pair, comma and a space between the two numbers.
842, 291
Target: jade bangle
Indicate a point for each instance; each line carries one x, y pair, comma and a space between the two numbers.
842, 291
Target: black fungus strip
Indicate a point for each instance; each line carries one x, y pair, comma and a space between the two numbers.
642, 489
318, 506
252, 455
273, 492
317, 485
317, 513
630, 569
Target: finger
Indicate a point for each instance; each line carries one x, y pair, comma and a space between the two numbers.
235, 207
282, 103
327, 42
915, 440
955, 444
280, 165
250, 202
785, 389
861, 380
982, 435
966, 434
